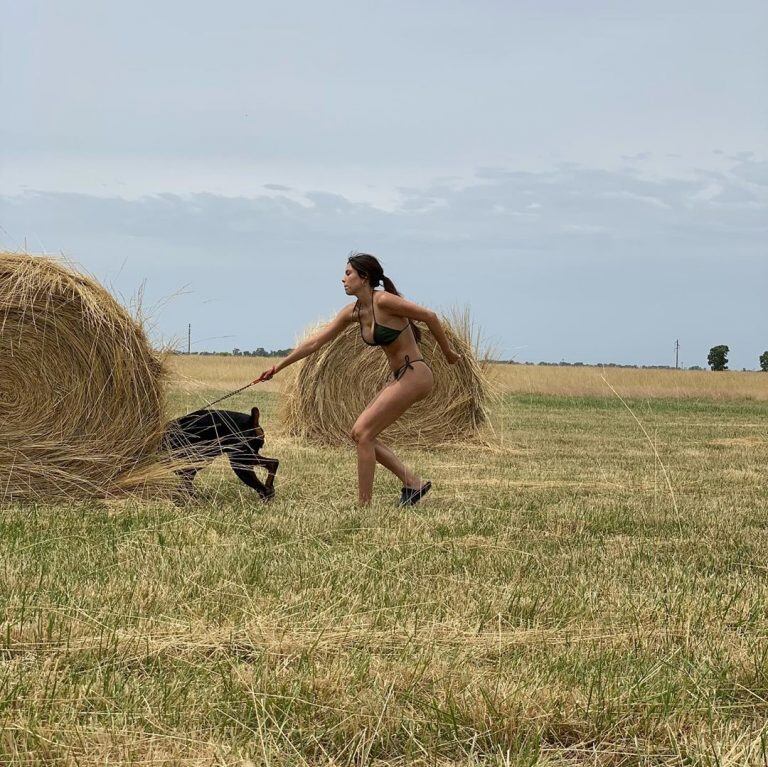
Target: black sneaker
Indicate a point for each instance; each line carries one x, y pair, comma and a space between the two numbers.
410, 496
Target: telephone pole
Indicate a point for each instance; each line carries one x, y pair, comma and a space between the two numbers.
677, 352
189, 338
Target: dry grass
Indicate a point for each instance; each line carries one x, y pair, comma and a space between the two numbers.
630, 382
81, 391
549, 605
195, 375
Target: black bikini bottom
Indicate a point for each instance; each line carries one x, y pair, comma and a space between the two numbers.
400, 372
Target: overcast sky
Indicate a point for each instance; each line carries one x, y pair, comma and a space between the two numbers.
590, 179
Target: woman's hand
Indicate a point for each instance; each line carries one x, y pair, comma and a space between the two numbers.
452, 356
267, 374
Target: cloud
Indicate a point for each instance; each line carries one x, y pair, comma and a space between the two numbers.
754, 171
572, 262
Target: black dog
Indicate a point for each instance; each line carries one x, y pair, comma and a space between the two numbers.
199, 437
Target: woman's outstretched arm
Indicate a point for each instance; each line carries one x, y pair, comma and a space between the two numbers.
403, 308
314, 342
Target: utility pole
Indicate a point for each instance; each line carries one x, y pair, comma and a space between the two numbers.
677, 352
189, 338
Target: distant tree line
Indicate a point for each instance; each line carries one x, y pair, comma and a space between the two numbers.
260, 352
563, 363
717, 359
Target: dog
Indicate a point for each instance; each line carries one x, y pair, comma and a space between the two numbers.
199, 437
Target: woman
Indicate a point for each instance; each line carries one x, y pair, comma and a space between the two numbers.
385, 320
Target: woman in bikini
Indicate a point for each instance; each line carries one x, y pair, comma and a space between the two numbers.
381, 314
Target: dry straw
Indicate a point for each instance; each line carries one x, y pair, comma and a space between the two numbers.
333, 386
81, 390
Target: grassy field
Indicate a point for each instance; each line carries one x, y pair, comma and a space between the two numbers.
591, 587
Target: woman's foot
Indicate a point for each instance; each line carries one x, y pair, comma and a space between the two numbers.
410, 496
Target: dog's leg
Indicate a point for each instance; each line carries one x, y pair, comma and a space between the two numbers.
243, 466
271, 465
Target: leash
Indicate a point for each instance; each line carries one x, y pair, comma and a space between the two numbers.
236, 391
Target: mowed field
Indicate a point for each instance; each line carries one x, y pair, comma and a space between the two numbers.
588, 585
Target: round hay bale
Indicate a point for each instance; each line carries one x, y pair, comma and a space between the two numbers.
81, 390
332, 387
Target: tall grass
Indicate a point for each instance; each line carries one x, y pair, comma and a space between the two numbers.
196, 373
632, 382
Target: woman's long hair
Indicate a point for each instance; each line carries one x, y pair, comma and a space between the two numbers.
368, 266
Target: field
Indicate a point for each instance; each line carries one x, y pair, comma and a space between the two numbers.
588, 587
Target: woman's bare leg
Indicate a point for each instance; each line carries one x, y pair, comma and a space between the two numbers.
390, 461
366, 466
388, 406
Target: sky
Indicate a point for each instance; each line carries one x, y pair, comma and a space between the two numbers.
589, 179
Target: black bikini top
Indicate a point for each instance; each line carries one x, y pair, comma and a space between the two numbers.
382, 335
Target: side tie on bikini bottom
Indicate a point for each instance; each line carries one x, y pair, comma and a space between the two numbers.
400, 372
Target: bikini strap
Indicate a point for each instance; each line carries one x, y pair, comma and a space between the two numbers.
408, 366
373, 301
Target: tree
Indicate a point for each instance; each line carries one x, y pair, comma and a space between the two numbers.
764, 362
717, 358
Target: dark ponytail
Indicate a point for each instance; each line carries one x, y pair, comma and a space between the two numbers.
368, 266
389, 286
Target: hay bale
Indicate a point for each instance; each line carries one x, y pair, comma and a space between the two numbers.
81, 390
332, 387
